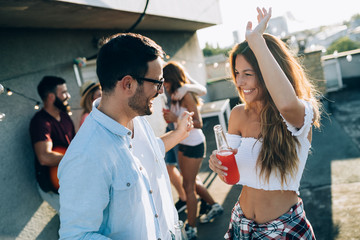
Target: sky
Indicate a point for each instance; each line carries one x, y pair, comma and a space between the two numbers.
306, 14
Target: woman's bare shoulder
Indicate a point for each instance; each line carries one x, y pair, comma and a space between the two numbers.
188, 98
237, 119
239, 112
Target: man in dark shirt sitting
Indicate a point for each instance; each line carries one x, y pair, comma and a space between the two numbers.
51, 130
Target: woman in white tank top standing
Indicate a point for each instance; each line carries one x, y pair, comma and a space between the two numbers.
191, 150
271, 136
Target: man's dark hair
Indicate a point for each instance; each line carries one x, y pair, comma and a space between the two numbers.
48, 85
125, 54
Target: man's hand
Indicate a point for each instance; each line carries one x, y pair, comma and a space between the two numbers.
185, 123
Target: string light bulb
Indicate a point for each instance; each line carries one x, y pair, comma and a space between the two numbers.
2, 89
2, 116
37, 106
335, 54
9, 92
349, 58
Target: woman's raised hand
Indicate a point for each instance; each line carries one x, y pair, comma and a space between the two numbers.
263, 19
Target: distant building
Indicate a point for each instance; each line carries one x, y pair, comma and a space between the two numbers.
355, 34
278, 27
327, 36
236, 37
217, 67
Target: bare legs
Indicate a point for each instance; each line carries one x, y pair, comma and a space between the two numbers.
203, 192
189, 168
176, 181
192, 184
188, 184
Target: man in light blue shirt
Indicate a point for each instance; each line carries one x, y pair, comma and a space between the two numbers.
110, 189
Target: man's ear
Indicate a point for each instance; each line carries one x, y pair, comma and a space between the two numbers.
51, 97
127, 83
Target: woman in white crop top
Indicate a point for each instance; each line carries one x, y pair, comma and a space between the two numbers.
271, 136
191, 150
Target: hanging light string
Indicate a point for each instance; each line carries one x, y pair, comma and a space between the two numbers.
82, 62
10, 92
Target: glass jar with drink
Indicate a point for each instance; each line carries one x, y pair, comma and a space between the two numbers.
226, 156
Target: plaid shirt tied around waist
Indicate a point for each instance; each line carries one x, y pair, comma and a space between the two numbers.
291, 225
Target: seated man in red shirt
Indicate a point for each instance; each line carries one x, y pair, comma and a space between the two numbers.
51, 130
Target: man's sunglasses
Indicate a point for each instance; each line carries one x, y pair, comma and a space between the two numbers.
159, 82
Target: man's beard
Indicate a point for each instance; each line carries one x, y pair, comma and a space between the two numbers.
61, 106
136, 102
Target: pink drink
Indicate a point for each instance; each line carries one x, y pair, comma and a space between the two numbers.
227, 159
166, 110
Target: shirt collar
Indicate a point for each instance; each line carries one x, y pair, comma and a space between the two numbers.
107, 122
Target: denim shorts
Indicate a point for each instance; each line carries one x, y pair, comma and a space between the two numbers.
197, 151
171, 156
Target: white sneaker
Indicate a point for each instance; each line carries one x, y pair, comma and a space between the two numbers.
191, 232
216, 210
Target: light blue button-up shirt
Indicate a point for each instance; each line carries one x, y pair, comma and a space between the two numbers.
103, 192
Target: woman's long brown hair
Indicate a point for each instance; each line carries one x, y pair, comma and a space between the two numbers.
86, 104
279, 147
174, 74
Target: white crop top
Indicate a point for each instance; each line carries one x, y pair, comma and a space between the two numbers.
249, 150
196, 135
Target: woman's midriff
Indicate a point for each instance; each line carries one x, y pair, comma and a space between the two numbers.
263, 206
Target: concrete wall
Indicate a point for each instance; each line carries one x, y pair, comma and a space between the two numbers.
184, 48
26, 56
217, 67
342, 70
221, 89
184, 9
314, 69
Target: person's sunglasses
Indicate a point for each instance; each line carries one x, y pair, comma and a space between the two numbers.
159, 82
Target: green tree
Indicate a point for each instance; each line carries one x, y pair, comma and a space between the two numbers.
343, 44
210, 50
355, 17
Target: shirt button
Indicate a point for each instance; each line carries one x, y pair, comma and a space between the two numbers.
128, 184
140, 168
130, 146
156, 215
150, 191
159, 239
129, 133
